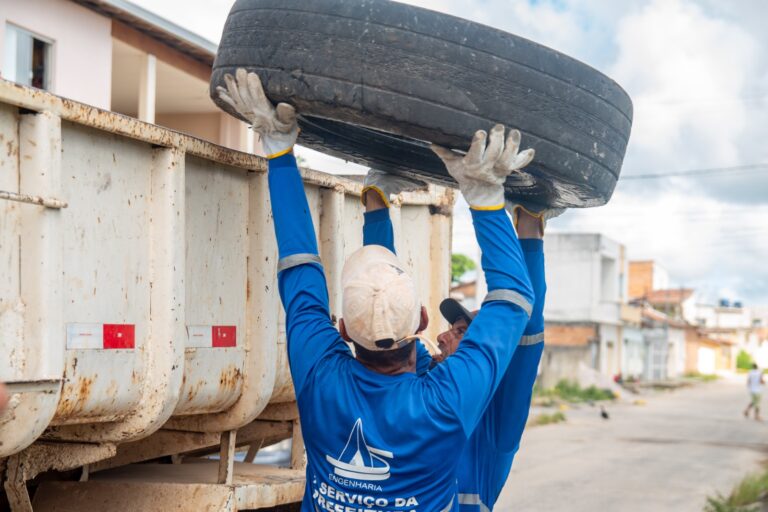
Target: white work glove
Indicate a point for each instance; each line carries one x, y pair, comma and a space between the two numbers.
277, 127
482, 171
386, 184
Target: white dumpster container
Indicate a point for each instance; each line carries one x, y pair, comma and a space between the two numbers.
142, 293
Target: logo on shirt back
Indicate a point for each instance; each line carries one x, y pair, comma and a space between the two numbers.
360, 461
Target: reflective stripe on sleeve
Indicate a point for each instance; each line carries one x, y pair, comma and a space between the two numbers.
510, 296
532, 339
294, 260
473, 499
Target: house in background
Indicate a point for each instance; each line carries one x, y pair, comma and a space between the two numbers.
677, 304
645, 276
706, 355
634, 352
117, 56
656, 339
586, 276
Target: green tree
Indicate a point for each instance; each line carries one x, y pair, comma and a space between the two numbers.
744, 361
460, 265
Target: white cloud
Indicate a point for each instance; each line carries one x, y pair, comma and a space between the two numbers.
685, 72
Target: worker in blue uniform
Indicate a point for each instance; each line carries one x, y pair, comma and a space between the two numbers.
488, 456
377, 435
489, 453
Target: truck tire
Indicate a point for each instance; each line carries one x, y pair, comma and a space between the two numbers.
376, 81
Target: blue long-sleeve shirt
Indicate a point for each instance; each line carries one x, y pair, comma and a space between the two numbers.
383, 442
489, 453
487, 458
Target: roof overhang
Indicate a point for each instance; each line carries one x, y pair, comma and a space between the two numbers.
155, 27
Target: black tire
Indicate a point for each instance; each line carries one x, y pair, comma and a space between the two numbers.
376, 81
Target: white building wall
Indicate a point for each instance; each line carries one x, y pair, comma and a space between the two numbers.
633, 354
676, 360
733, 318
82, 45
584, 278
610, 348
571, 284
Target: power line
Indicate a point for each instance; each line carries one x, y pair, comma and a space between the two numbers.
712, 171
747, 98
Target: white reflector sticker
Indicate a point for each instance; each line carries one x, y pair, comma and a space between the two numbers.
211, 336
101, 336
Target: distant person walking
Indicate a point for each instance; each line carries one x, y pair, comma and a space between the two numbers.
755, 383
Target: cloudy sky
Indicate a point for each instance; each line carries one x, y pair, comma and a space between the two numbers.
697, 71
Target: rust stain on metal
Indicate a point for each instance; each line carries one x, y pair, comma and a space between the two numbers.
74, 397
194, 390
12, 148
229, 379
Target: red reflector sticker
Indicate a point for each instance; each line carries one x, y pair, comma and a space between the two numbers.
224, 336
117, 336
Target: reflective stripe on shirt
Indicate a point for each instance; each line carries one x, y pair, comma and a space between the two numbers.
532, 339
473, 499
294, 260
510, 296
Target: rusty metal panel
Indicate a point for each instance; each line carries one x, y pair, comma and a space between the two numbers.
412, 236
106, 269
261, 333
33, 311
170, 239
11, 307
216, 280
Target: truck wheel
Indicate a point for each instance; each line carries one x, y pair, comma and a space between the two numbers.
377, 81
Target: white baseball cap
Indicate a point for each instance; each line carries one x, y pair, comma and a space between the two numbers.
379, 299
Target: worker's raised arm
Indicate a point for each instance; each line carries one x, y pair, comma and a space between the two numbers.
301, 281
467, 380
508, 412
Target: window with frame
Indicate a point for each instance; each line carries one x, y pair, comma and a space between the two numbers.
27, 58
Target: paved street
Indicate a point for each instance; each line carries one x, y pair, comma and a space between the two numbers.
667, 455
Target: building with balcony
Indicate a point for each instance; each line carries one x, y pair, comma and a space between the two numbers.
117, 56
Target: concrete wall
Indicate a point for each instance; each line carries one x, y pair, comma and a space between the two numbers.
677, 352
584, 272
633, 354
82, 45
570, 335
718, 317
610, 349
657, 341
559, 362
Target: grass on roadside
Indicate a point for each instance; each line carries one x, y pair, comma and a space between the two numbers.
547, 419
749, 495
703, 377
570, 391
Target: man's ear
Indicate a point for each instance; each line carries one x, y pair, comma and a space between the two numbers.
343, 331
424, 320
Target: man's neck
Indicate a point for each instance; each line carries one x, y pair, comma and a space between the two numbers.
391, 370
